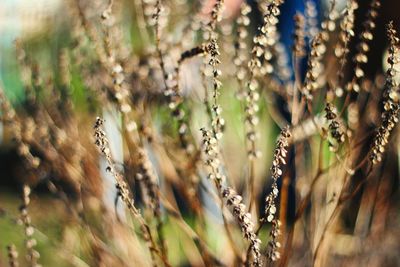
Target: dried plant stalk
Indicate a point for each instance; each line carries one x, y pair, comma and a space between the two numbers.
314, 67
270, 205
241, 51
32, 255
334, 126
231, 198
123, 189
390, 115
347, 32
366, 37
259, 51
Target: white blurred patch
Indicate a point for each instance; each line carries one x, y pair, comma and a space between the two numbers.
190, 81
27, 18
339, 4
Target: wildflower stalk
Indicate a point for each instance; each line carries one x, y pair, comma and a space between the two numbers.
260, 42
328, 25
334, 126
389, 121
345, 35
280, 153
124, 192
360, 59
212, 49
232, 199
32, 255
241, 48
366, 37
314, 67
391, 105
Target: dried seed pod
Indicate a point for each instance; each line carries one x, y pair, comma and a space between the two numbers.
280, 154
32, 254
314, 66
391, 106
217, 120
391, 92
212, 50
261, 51
366, 36
346, 33
211, 150
334, 126
273, 253
265, 43
232, 199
